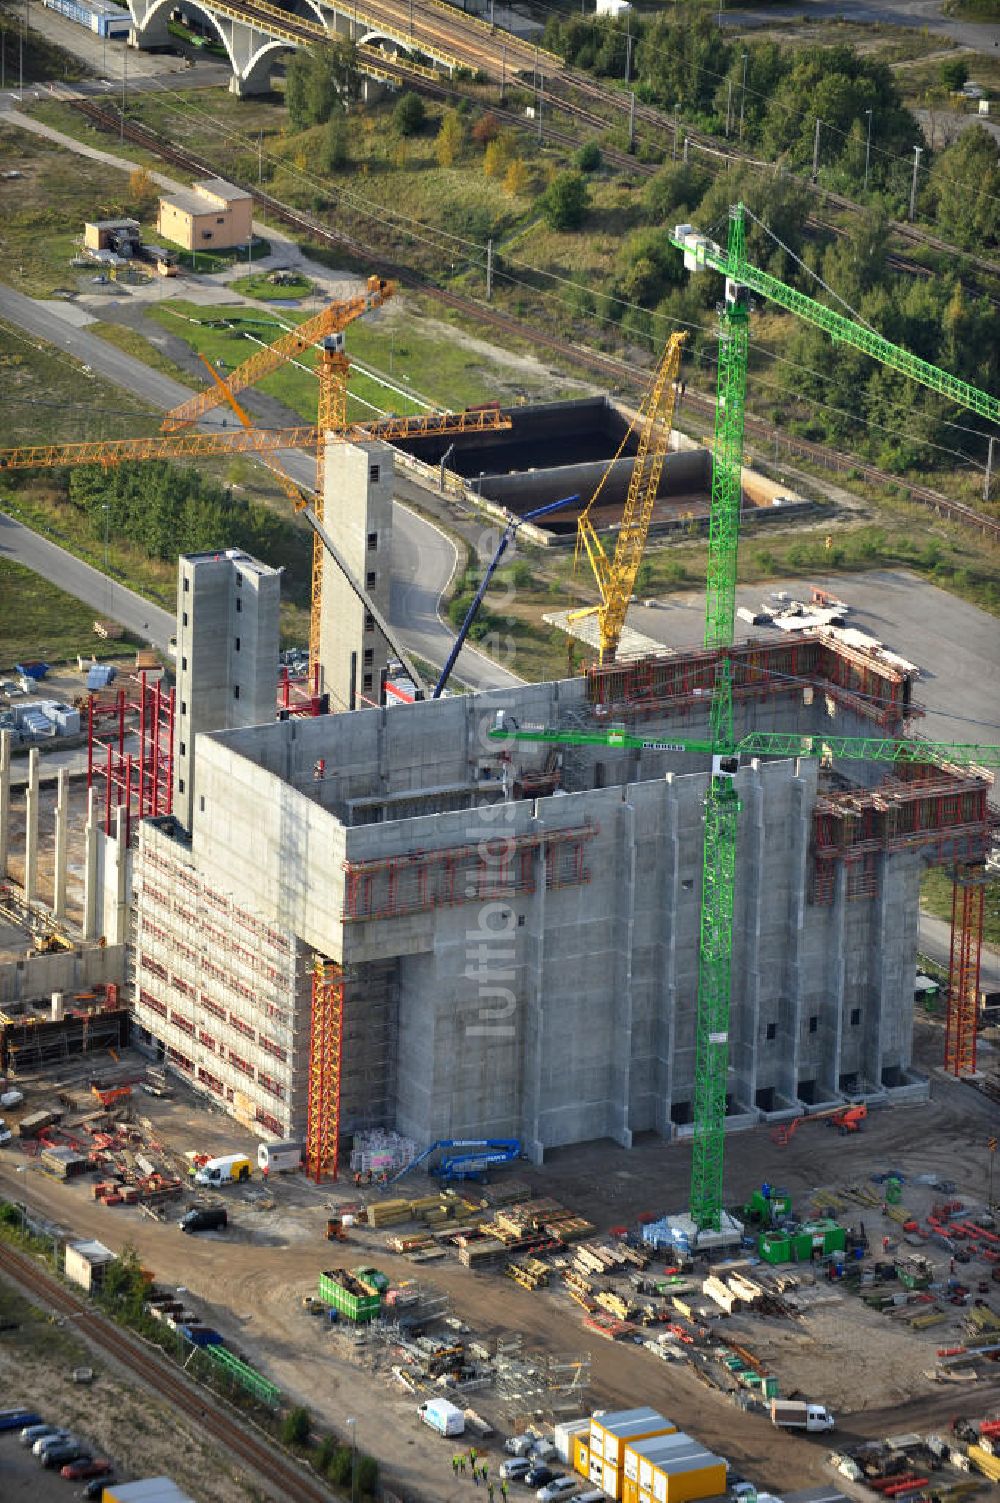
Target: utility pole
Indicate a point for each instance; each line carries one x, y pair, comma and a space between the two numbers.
260, 157
121, 134
868, 147
677, 127
686, 151
492, 22
503, 72
489, 271
918, 152
989, 470
631, 122
628, 56
816, 150
411, 20
20, 60
541, 87
729, 107
743, 95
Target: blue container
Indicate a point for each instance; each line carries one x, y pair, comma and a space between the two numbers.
201, 1336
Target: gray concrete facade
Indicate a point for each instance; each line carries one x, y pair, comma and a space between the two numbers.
227, 654
357, 507
527, 967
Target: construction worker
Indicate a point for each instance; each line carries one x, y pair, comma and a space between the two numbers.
461, 1465
454, 1465
475, 1477
489, 1492
473, 1453
503, 1489
484, 1471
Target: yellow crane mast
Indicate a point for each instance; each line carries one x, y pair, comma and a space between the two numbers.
616, 576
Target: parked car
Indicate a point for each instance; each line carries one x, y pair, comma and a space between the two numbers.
53, 1436
204, 1219
31, 1433
514, 1469
559, 1487
16, 1419
76, 1471
539, 1476
96, 1488
70, 1450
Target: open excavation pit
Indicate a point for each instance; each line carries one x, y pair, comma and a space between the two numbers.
558, 449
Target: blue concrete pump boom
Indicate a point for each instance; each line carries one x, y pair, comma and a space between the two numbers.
505, 539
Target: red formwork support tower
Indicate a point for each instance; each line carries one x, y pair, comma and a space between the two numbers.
967, 905
326, 1041
139, 780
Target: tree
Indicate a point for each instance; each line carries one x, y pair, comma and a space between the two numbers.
954, 72
334, 153
409, 115
367, 1476
295, 1427
565, 201
486, 129
142, 191
515, 180
499, 154
320, 80
450, 139
588, 158
339, 1469
965, 182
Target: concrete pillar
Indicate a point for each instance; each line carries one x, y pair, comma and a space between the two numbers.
31, 829
4, 801
749, 916
619, 1115
91, 871
837, 960
670, 898
534, 1010
116, 883
62, 833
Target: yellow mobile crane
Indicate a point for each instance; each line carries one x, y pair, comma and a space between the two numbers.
616, 576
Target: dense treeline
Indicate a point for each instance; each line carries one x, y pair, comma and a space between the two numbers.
166, 510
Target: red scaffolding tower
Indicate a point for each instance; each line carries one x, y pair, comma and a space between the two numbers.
967, 904
326, 1042
139, 780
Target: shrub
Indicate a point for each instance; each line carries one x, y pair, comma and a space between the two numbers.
367, 1475
589, 158
295, 1427
339, 1469
565, 201
409, 115
486, 129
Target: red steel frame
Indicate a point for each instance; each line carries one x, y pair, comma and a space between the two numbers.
326, 1044
967, 903
142, 781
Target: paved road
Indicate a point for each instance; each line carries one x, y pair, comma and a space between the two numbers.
423, 557
983, 36
935, 942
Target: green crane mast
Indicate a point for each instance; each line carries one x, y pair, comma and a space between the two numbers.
722, 804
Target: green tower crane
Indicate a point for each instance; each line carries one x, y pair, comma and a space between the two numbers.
722, 804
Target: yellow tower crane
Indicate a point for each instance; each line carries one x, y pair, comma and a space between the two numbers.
616, 576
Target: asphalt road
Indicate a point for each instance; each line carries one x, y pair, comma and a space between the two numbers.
983, 36
935, 942
423, 558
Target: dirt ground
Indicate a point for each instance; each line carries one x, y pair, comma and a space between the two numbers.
250, 1283
123, 1423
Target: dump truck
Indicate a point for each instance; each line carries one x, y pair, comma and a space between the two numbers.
445, 1418
223, 1171
796, 1414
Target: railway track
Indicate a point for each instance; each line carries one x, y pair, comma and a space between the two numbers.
620, 373
197, 1404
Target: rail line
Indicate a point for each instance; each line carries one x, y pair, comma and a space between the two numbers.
620, 372
197, 1404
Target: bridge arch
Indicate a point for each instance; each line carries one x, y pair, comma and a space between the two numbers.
380, 36
152, 17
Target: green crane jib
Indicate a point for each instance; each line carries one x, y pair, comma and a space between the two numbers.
770, 744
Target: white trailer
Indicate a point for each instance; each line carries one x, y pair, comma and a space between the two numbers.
280, 1158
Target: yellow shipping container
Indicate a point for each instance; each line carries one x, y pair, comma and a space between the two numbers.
581, 1455
642, 1455
685, 1486
610, 1434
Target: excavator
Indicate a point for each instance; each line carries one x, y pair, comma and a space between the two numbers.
845, 1119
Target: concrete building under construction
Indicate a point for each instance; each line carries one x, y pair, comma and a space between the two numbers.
513, 931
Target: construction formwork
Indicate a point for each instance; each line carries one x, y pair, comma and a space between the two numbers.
961, 1020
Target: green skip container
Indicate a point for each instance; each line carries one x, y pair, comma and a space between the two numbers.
353, 1297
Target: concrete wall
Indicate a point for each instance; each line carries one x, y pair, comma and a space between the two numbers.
67, 971
357, 509
227, 654
683, 474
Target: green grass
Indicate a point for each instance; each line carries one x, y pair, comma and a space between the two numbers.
64, 118
974, 10
37, 620
936, 894
261, 287
131, 342
44, 212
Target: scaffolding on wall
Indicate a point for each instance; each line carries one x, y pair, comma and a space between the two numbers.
849, 676
967, 908
326, 1039
393, 886
139, 781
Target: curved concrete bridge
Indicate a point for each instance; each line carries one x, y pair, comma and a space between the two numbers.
255, 34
